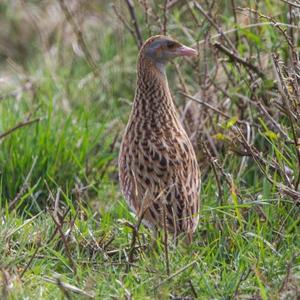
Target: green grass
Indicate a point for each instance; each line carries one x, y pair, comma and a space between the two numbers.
246, 246
250, 258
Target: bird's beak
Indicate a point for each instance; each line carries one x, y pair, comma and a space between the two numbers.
185, 51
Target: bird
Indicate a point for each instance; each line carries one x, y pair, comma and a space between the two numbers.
158, 170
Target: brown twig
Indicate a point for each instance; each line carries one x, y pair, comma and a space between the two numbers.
180, 77
69, 287
261, 24
192, 14
14, 202
18, 126
146, 8
5, 284
291, 3
276, 25
206, 105
176, 274
172, 3
193, 289
286, 97
109, 162
243, 277
63, 289
235, 21
166, 246
216, 110
79, 35
67, 249
233, 56
135, 230
261, 163
263, 111
214, 24
288, 274
279, 237
125, 23
32, 258
56, 228
165, 18
213, 164
134, 22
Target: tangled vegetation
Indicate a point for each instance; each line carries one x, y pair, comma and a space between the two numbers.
67, 81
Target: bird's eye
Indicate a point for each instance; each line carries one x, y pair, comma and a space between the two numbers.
171, 44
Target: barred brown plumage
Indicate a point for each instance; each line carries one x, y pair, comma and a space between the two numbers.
159, 174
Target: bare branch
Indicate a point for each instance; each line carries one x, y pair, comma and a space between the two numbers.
79, 35
172, 3
134, 22
291, 3
214, 24
238, 59
286, 97
18, 126
165, 17
262, 24
65, 242
215, 109
125, 23
14, 202
69, 287
191, 264
32, 258
166, 246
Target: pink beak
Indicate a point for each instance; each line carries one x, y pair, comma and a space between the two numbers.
185, 51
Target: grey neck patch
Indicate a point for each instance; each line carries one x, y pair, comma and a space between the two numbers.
161, 67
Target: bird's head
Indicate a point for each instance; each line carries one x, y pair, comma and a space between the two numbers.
160, 49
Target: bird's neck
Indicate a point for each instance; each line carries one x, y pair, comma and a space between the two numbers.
153, 109
152, 96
